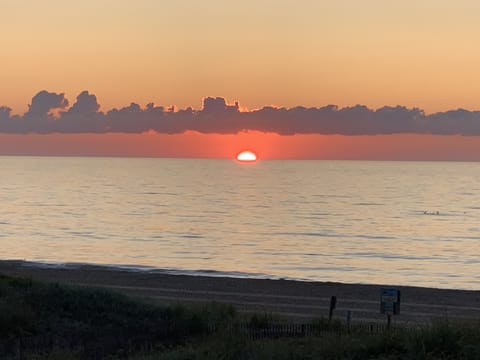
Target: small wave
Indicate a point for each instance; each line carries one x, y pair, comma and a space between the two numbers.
86, 234
375, 237
149, 269
134, 213
325, 268
192, 236
231, 274
144, 240
393, 256
469, 237
312, 234
334, 196
367, 204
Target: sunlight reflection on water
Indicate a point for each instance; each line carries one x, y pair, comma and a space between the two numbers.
368, 222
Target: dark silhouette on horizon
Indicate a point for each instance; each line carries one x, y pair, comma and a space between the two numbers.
49, 113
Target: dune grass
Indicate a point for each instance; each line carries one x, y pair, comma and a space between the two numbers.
37, 317
49, 321
442, 340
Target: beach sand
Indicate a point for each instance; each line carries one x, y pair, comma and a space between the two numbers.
298, 300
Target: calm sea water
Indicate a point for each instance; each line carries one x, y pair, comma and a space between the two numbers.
410, 223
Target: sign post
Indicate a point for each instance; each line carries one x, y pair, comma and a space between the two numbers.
389, 303
333, 305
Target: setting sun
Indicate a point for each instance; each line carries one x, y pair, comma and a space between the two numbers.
247, 156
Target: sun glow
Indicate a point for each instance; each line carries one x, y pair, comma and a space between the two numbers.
247, 156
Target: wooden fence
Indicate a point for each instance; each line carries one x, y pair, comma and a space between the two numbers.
281, 330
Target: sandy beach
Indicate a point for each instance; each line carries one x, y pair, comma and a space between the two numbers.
289, 299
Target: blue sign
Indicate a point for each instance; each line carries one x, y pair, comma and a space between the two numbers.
390, 301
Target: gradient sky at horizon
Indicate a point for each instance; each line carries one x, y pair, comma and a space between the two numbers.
420, 53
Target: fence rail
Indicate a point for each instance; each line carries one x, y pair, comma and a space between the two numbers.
279, 330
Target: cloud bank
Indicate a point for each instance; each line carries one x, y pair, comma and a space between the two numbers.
50, 113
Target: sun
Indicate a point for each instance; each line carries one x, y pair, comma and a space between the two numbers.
247, 156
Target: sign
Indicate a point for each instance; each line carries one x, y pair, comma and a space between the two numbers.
389, 301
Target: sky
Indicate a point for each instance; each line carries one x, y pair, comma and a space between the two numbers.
76, 78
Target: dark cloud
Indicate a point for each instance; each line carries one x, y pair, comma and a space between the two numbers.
216, 116
39, 118
218, 105
45, 101
459, 121
5, 113
82, 117
86, 104
7, 122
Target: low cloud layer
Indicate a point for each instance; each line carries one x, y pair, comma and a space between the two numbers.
50, 113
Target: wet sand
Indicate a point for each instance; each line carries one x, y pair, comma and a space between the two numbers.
298, 300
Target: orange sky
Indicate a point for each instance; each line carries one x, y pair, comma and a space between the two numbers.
267, 146
417, 53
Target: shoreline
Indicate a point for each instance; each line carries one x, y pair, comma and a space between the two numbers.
146, 269
286, 298
150, 269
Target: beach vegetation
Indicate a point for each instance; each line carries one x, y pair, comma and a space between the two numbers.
52, 321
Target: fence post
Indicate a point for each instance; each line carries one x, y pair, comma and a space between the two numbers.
333, 305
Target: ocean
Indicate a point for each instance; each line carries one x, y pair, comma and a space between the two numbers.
397, 223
